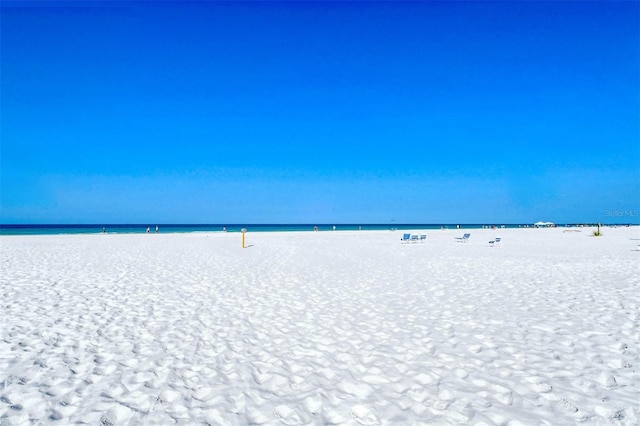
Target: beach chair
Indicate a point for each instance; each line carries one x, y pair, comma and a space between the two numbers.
493, 243
414, 238
423, 238
463, 239
405, 238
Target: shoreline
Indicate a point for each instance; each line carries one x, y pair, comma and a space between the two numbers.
12, 230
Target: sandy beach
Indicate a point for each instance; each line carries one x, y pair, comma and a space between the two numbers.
300, 328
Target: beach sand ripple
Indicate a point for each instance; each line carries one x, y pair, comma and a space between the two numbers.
321, 328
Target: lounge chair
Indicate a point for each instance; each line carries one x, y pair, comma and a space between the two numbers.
423, 238
495, 241
463, 239
405, 238
414, 238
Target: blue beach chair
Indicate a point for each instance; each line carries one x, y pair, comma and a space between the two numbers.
463, 239
493, 243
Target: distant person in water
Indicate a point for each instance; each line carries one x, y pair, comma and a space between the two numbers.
148, 229
224, 229
157, 229
104, 230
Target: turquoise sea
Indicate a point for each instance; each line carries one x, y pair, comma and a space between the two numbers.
182, 228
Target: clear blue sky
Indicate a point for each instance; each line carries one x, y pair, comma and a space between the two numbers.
320, 112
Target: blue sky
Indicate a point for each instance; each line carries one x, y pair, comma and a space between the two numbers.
320, 112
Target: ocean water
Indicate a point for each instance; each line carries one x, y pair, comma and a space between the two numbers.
182, 228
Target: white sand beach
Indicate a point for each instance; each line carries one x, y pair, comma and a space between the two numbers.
300, 328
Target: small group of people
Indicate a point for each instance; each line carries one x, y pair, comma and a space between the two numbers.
315, 228
104, 229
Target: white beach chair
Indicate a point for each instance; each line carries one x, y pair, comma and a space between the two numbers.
463, 239
414, 238
493, 243
423, 238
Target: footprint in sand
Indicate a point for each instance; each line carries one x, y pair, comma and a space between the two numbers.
253, 417
169, 396
288, 416
611, 382
446, 398
313, 404
237, 403
331, 416
363, 415
460, 373
116, 415
359, 390
541, 387
203, 394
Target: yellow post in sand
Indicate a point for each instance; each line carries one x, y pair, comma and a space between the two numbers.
244, 231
